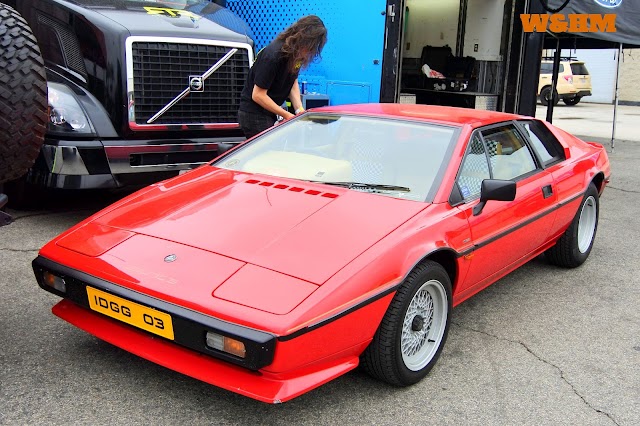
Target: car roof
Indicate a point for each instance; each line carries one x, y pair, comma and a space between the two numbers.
427, 113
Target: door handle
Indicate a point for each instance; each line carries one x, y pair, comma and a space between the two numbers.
547, 191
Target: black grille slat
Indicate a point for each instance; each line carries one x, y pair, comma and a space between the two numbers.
161, 72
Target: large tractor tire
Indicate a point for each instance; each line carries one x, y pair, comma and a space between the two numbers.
23, 96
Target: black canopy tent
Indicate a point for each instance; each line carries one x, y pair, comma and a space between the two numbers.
627, 17
627, 34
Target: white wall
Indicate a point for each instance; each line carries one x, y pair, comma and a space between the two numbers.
431, 22
484, 28
630, 76
602, 66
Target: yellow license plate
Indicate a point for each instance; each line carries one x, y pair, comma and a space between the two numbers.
132, 313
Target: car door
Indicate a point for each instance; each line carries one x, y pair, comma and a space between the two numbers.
550, 154
504, 232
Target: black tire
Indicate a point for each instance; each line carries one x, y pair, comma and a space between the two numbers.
23, 96
385, 358
24, 195
574, 246
545, 96
572, 101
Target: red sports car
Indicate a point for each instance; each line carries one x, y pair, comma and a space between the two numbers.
340, 238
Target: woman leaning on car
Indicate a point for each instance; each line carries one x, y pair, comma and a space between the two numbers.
274, 75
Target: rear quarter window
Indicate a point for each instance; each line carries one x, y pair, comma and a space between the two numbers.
579, 69
545, 145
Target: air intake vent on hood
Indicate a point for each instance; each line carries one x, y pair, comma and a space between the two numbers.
68, 44
292, 188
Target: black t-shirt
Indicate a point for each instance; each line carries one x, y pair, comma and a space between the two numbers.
269, 71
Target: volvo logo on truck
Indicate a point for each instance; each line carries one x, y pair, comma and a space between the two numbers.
196, 83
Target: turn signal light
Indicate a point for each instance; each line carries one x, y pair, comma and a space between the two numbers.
54, 281
226, 344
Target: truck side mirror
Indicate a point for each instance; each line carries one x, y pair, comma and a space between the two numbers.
495, 189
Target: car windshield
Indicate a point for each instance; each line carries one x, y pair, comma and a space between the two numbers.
391, 157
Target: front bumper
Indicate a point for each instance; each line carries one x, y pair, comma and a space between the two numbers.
189, 327
116, 163
190, 357
262, 386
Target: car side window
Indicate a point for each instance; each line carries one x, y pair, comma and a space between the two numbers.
509, 155
547, 68
543, 142
475, 168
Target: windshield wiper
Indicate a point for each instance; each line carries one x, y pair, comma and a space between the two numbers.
366, 186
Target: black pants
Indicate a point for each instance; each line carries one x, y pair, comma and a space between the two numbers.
253, 123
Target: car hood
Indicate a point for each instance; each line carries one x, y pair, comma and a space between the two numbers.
301, 229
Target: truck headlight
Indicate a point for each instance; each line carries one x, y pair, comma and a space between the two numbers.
65, 113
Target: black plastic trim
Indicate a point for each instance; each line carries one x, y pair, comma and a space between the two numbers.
337, 316
521, 225
190, 327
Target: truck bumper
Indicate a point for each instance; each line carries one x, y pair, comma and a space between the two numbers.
117, 163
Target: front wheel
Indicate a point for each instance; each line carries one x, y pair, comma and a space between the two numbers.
414, 329
574, 246
571, 101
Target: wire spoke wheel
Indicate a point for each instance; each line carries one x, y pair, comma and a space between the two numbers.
410, 337
423, 325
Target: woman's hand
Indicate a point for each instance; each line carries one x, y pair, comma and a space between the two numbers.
260, 96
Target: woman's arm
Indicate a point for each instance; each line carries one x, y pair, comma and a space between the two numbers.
260, 96
294, 95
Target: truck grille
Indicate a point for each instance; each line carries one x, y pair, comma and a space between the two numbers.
160, 70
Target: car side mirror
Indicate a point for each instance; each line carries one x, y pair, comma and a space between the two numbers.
494, 189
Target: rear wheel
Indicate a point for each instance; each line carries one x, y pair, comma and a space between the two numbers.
414, 329
574, 246
23, 96
572, 101
545, 96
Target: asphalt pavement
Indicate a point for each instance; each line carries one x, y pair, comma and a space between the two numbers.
543, 346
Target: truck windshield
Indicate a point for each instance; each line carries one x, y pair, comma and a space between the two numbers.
124, 4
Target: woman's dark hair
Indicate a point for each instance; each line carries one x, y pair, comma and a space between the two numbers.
303, 41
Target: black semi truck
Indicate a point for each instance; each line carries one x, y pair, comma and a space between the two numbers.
111, 93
